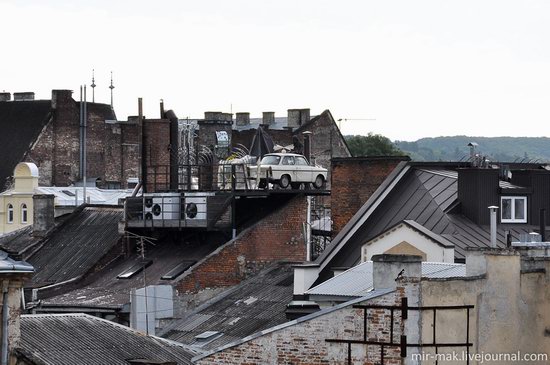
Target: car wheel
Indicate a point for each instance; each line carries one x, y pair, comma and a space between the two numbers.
319, 182
284, 181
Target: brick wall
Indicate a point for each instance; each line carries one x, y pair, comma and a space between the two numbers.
157, 154
278, 237
326, 141
112, 151
354, 180
305, 342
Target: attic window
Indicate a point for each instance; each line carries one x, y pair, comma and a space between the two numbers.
513, 209
134, 269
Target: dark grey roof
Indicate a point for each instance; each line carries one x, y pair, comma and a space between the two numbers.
77, 245
82, 339
256, 304
102, 288
21, 123
422, 195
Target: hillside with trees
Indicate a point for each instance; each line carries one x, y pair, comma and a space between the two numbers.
506, 149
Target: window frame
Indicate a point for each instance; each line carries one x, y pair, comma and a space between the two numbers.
9, 216
513, 209
24, 214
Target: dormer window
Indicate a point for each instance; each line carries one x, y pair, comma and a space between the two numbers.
513, 209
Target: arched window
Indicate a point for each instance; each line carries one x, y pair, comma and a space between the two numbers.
24, 214
10, 213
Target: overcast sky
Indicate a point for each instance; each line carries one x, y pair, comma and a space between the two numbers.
420, 68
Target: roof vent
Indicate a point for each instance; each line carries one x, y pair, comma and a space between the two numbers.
207, 337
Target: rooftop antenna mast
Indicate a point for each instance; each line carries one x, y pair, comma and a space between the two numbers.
93, 86
111, 87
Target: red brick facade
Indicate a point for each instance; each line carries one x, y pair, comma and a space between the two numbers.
278, 237
157, 154
354, 180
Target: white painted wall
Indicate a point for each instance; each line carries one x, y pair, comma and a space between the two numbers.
403, 233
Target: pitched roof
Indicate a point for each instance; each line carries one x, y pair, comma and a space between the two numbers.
82, 339
77, 245
9, 265
103, 289
256, 304
424, 195
21, 123
358, 281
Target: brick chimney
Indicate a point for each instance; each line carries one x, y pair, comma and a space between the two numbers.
43, 214
23, 96
242, 119
268, 118
298, 117
387, 268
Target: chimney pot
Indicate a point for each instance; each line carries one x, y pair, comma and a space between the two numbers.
23, 96
268, 118
242, 119
5, 96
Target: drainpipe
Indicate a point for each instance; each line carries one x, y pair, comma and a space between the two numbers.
308, 229
542, 224
5, 316
493, 210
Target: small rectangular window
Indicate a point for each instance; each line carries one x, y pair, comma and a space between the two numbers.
513, 209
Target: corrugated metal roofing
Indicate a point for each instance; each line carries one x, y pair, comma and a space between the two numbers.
256, 304
66, 195
358, 281
73, 249
82, 339
102, 288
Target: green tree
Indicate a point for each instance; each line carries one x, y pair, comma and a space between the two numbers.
372, 145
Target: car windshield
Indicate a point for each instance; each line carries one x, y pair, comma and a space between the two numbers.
271, 160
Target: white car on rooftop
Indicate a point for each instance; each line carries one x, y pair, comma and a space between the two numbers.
288, 169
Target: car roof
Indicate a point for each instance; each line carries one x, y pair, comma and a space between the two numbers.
283, 154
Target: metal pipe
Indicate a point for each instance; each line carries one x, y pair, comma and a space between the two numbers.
493, 210
308, 229
5, 316
542, 224
85, 122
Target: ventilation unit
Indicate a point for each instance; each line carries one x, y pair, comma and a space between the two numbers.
196, 206
161, 206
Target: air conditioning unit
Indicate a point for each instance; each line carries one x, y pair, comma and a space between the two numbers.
195, 206
162, 206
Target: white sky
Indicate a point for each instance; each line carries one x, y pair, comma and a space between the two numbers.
421, 68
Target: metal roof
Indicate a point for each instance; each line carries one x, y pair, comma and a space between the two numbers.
9, 265
254, 305
77, 245
358, 281
102, 289
66, 195
82, 339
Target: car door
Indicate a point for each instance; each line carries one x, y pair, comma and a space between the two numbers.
303, 170
288, 165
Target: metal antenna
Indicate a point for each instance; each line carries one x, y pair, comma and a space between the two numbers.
93, 86
111, 87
